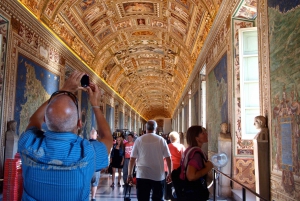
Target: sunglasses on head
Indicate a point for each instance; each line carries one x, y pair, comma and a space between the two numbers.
71, 95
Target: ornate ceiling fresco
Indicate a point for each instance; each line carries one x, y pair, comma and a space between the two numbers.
144, 50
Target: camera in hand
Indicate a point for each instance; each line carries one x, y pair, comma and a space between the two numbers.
85, 81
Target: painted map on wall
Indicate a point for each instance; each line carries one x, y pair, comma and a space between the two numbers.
35, 85
87, 116
3, 43
217, 102
284, 31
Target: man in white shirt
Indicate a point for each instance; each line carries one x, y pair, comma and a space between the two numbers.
149, 152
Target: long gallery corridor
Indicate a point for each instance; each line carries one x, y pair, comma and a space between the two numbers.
231, 66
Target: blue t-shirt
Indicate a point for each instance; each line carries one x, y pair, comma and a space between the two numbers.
58, 166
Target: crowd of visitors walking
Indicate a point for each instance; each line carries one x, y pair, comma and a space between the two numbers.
58, 161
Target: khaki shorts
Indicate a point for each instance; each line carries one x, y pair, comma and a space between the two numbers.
95, 179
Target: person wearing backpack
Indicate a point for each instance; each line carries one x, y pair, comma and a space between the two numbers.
191, 184
176, 150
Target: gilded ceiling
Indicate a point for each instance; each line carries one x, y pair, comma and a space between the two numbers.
144, 50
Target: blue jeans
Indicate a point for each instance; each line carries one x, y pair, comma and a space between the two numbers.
144, 186
125, 169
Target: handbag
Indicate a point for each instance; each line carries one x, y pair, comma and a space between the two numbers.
127, 188
109, 169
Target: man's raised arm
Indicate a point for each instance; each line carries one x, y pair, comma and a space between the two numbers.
102, 125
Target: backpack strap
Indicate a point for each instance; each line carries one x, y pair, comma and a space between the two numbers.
186, 158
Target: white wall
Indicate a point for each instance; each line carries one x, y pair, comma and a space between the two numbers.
167, 125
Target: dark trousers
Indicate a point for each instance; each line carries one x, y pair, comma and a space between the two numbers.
144, 187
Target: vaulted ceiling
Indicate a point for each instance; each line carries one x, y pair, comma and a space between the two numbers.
144, 50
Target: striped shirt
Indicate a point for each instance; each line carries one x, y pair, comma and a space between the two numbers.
58, 166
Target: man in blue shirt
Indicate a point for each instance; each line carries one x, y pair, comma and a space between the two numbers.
58, 164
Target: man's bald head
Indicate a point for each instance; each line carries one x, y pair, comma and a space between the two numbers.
151, 125
61, 114
93, 134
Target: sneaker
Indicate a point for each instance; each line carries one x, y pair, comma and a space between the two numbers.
119, 185
112, 185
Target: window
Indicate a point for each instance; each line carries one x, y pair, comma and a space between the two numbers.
203, 103
249, 80
203, 96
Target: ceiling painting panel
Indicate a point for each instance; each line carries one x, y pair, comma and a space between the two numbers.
124, 25
138, 8
180, 11
92, 14
79, 28
185, 3
101, 36
85, 4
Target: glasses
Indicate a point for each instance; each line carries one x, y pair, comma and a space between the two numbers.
71, 95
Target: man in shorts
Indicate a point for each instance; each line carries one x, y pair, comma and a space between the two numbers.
96, 175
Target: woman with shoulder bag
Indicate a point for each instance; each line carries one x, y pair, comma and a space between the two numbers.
194, 173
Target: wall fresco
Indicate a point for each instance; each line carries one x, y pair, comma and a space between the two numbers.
217, 102
248, 10
3, 53
86, 115
285, 89
244, 172
35, 85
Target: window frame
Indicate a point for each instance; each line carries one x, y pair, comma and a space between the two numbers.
255, 109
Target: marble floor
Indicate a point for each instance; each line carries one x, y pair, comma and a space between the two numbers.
107, 193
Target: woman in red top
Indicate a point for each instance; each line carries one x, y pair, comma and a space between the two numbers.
128, 149
176, 150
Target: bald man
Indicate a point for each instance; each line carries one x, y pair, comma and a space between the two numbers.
149, 152
96, 175
58, 164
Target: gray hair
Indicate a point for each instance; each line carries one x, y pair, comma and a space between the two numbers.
151, 125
